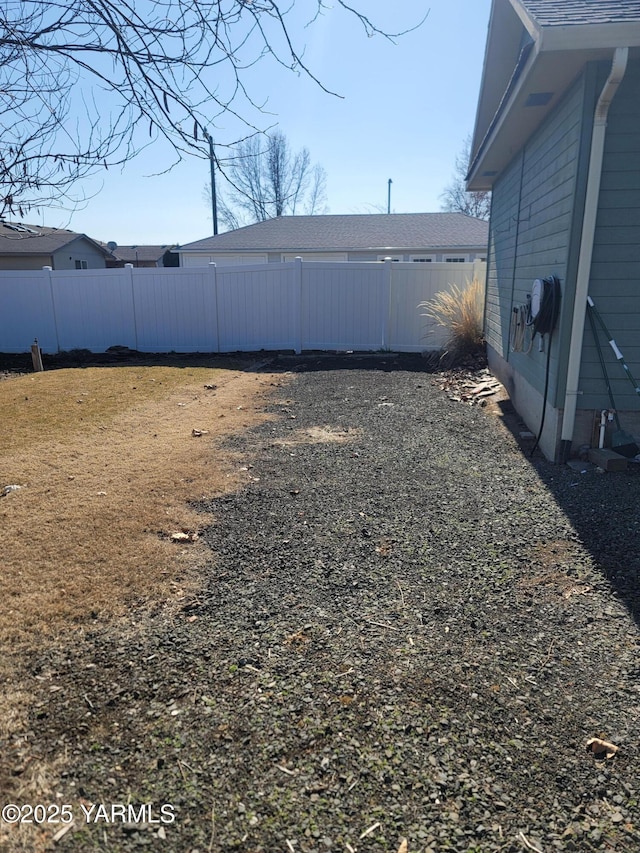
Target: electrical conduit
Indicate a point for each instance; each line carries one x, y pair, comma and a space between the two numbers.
616, 75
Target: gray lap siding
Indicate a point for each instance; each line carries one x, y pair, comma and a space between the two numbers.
615, 271
538, 205
534, 203
501, 264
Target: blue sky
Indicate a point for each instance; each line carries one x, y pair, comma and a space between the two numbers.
404, 113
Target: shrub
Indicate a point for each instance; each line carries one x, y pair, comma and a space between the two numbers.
459, 310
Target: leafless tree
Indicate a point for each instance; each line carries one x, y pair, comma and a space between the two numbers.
264, 178
316, 200
455, 197
86, 84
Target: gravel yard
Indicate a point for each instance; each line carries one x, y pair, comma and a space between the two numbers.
407, 630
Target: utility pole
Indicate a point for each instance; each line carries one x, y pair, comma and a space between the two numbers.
214, 202
389, 196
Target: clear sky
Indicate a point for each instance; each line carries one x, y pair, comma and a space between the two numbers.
404, 113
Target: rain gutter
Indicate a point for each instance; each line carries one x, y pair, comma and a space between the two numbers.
616, 75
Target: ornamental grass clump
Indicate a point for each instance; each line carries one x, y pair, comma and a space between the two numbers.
459, 310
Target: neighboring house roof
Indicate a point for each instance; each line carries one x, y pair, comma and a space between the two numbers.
535, 49
374, 231
141, 254
17, 238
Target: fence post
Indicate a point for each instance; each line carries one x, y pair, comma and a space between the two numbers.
386, 302
213, 275
129, 267
36, 356
297, 289
48, 270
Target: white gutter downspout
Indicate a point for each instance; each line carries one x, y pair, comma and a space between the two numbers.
618, 68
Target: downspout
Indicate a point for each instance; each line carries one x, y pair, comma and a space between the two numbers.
618, 68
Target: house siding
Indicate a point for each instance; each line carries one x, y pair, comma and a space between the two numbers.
533, 214
503, 240
24, 262
615, 270
78, 250
194, 259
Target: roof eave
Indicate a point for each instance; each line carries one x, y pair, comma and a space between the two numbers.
529, 22
558, 54
589, 37
499, 120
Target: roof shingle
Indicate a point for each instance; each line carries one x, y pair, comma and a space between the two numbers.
16, 238
142, 253
551, 13
354, 231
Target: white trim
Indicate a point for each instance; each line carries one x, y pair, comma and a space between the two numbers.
529, 23
592, 36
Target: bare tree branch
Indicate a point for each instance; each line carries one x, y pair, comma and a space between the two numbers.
87, 84
316, 200
265, 180
455, 197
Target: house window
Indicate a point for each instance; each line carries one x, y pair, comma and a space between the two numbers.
422, 259
82, 265
396, 258
455, 259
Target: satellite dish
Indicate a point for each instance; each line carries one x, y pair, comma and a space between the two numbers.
111, 245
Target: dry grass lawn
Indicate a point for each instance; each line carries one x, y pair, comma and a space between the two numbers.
107, 463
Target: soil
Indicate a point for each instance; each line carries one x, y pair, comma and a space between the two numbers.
407, 628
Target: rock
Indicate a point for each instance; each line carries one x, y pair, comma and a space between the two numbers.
184, 536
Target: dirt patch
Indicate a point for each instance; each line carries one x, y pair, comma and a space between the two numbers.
321, 435
558, 571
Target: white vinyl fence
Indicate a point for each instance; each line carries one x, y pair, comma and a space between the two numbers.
288, 306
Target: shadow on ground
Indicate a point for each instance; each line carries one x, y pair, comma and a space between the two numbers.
123, 357
382, 361
603, 509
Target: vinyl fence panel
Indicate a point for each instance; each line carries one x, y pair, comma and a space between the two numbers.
412, 284
177, 311
27, 311
257, 307
94, 309
343, 306
276, 306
